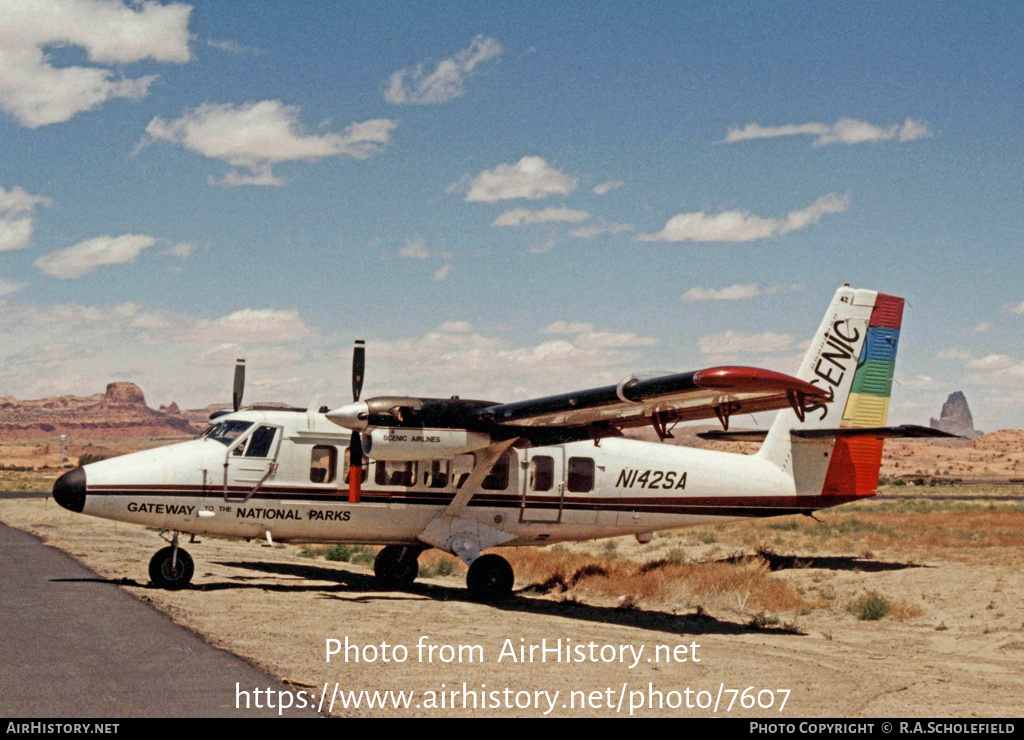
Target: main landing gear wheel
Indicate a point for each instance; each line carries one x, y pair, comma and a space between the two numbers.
397, 566
490, 578
166, 571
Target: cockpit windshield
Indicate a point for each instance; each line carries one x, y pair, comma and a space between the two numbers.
228, 431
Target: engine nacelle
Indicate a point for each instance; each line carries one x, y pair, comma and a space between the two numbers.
398, 443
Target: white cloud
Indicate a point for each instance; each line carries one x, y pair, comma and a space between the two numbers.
607, 186
475, 364
953, 353
991, 362
265, 356
531, 178
740, 226
919, 382
737, 343
254, 325
446, 82
78, 349
606, 339
442, 273
181, 251
542, 247
84, 257
9, 286
256, 136
526, 217
16, 221
1018, 309
733, 292
593, 232
567, 327
843, 131
37, 93
233, 47
455, 327
585, 337
415, 249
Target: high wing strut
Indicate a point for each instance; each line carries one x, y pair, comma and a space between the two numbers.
451, 531
660, 421
724, 410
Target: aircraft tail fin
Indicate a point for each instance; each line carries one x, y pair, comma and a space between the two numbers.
853, 354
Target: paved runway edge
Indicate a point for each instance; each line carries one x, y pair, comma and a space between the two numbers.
74, 644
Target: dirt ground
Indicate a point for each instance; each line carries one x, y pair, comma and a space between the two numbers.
958, 653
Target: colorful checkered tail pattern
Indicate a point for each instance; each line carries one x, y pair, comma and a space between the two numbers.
853, 355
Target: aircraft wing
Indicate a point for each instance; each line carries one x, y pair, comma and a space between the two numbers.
716, 392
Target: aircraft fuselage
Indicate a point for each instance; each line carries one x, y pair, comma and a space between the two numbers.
295, 488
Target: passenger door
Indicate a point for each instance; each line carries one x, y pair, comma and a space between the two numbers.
543, 485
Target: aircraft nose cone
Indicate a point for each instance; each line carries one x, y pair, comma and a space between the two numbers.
69, 490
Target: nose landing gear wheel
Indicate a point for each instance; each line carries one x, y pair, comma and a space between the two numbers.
490, 578
166, 571
397, 566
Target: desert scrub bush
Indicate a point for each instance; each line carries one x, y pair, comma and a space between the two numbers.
340, 553
870, 606
437, 563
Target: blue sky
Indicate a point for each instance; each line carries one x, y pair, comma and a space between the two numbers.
505, 200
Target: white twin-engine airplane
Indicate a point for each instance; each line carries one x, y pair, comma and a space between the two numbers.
464, 476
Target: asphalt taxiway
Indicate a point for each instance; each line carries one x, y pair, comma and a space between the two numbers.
73, 644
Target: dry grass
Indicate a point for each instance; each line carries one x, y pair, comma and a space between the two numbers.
872, 526
748, 587
27, 480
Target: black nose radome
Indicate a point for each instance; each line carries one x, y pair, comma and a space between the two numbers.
69, 490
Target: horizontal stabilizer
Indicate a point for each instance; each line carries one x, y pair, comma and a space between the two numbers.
717, 435
902, 431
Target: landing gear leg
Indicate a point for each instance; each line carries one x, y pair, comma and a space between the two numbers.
397, 566
490, 578
172, 567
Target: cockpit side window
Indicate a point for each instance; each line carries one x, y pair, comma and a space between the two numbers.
260, 442
228, 431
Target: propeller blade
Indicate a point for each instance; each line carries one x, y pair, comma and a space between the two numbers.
358, 366
355, 470
355, 447
236, 396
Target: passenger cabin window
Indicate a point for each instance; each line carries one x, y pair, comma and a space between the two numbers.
462, 466
435, 474
542, 473
323, 464
395, 473
497, 479
348, 467
581, 474
261, 442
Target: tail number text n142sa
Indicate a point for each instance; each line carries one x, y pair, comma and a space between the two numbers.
668, 480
